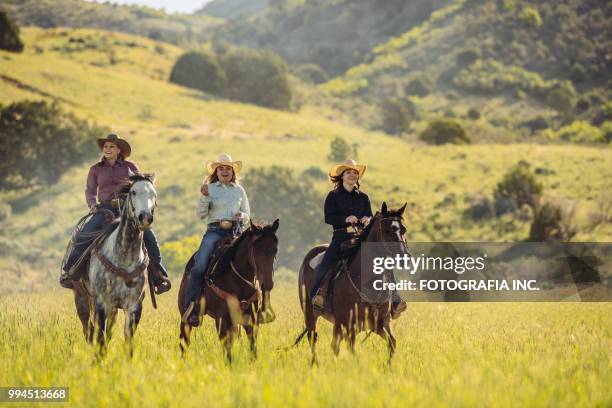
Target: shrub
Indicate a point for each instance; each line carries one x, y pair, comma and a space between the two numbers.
578, 73
341, 150
275, 193
199, 70
583, 105
562, 98
9, 34
314, 173
552, 223
480, 207
258, 77
519, 185
311, 73
530, 17
396, 117
467, 57
40, 141
444, 131
419, 87
473, 113
536, 124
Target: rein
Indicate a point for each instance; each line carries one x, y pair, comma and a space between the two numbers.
227, 296
379, 238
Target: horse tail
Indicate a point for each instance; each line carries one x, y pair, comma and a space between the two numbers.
300, 337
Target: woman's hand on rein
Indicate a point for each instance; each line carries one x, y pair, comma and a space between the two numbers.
351, 219
365, 221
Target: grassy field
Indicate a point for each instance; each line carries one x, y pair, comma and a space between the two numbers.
502, 354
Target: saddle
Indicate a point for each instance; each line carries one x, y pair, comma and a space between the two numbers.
221, 246
347, 249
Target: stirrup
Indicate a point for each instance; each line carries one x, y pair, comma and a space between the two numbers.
318, 302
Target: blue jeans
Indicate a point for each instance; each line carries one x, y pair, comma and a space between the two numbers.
196, 274
97, 223
332, 254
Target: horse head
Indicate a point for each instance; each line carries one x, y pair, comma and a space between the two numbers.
141, 200
264, 244
388, 226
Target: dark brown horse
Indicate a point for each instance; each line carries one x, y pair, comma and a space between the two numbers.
352, 310
237, 292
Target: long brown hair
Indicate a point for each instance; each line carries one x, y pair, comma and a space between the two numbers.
213, 178
337, 180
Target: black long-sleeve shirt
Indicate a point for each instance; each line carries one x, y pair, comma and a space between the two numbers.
339, 204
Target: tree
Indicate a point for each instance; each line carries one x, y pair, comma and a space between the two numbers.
444, 131
258, 77
9, 34
396, 117
40, 142
275, 193
199, 70
520, 186
341, 150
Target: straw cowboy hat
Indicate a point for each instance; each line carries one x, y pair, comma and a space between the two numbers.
346, 165
122, 144
223, 160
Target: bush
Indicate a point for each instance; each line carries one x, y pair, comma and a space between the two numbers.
536, 124
311, 73
199, 70
530, 17
419, 87
578, 73
562, 98
314, 173
9, 34
467, 57
519, 185
480, 207
396, 117
341, 150
40, 141
275, 193
444, 131
551, 223
473, 113
258, 77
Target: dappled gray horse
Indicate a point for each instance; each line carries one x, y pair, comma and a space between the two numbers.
117, 266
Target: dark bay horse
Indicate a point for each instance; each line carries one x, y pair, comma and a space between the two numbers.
115, 277
352, 310
237, 292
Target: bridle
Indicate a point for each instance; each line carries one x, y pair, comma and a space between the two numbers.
245, 304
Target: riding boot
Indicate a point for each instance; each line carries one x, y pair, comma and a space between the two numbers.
159, 276
66, 280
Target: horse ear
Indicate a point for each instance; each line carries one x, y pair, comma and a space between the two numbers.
151, 177
130, 173
401, 210
275, 225
383, 209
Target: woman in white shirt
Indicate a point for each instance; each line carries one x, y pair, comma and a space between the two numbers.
226, 206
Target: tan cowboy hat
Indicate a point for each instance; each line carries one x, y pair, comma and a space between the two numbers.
345, 165
223, 160
122, 144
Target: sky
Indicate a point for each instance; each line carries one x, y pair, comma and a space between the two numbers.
172, 6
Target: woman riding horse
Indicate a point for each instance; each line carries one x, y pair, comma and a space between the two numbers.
224, 202
105, 180
345, 206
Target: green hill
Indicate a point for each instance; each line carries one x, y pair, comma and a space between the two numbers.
120, 81
229, 9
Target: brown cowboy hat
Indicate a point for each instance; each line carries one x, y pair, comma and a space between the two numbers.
346, 165
223, 160
122, 144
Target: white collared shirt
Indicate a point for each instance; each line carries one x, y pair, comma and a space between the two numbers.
223, 202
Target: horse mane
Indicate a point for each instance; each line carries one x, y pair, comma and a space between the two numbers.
150, 177
392, 212
223, 263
